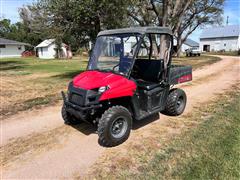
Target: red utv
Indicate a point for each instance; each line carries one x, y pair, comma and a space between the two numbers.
129, 77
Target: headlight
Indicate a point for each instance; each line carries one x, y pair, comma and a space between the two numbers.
102, 89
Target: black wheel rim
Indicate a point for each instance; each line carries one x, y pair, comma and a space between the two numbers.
119, 127
180, 103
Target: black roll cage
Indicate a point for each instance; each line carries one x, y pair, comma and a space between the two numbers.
138, 48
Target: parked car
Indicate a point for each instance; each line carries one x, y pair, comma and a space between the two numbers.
193, 52
28, 53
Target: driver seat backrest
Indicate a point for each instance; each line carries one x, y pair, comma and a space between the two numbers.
149, 70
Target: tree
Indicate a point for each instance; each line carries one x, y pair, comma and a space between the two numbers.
198, 14
5, 27
75, 22
33, 20
183, 18
13, 31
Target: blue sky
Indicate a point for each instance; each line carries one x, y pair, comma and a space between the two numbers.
9, 10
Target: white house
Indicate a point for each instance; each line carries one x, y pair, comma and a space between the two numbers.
10, 48
47, 50
225, 38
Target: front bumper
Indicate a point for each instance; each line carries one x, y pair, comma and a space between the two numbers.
82, 112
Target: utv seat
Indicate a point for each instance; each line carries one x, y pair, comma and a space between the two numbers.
149, 70
149, 73
147, 85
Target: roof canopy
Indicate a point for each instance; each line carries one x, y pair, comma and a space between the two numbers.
4, 41
140, 30
226, 31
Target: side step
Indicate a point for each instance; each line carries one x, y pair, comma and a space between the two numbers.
145, 114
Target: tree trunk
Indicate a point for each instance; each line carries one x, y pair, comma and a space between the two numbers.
165, 13
58, 42
97, 25
179, 51
179, 43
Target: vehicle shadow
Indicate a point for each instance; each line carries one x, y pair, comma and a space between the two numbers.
88, 129
85, 128
145, 121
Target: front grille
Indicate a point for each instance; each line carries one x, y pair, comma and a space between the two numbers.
76, 99
82, 97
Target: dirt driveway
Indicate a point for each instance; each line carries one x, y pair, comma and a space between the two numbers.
36, 144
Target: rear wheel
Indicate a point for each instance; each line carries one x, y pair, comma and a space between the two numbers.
114, 126
176, 102
68, 118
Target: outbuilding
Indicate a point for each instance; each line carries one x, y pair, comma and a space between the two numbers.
187, 44
10, 48
226, 38
47, 50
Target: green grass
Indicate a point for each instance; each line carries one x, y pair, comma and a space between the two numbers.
209, 151
196, 61
35, 65
31, 82
67, 68
26, 66
227, 53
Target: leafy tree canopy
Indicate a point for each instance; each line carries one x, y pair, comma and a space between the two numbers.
76, 22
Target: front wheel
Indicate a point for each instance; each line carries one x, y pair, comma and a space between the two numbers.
114, 126
176, 102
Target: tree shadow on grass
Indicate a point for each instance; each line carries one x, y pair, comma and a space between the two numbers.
5, 63
67, 75
11, 65
11, 68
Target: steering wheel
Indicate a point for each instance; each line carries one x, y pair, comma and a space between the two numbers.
115, 66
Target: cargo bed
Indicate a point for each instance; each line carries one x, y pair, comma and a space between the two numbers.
180, 74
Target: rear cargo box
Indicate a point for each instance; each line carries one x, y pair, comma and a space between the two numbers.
180, 74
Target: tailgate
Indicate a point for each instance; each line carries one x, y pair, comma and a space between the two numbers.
180, 74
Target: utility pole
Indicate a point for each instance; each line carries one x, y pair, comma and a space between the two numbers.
227, 20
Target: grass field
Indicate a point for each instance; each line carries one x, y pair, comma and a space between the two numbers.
227, 53
208, 148
211, 151
30, 82
196, 62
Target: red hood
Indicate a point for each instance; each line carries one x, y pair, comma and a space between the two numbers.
95, 79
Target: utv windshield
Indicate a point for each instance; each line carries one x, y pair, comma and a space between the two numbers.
114, 53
